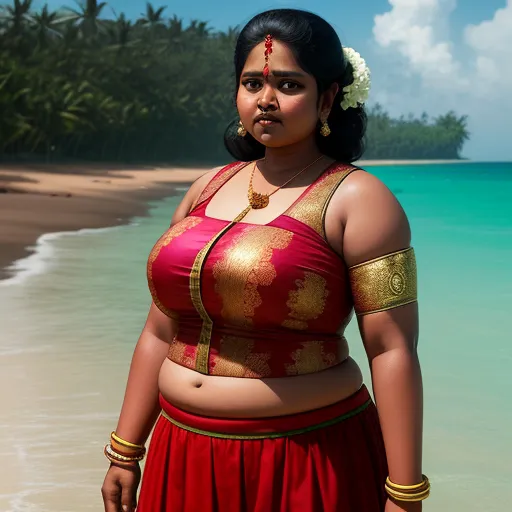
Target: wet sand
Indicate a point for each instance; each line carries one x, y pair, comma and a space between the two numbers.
42, 199
34, 201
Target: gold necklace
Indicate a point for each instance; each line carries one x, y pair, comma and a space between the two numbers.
258, 201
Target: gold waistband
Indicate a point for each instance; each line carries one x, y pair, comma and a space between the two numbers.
269, 435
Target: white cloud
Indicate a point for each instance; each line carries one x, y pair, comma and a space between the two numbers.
417, 33
412, 27
415, 28
491, 41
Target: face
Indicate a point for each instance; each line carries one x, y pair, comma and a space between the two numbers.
289, 95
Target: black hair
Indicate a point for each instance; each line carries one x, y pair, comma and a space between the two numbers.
319, 52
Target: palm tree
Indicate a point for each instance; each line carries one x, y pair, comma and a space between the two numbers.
455, 129
70, 33
154, 89
153, 21
229, 38
45, 25
15, 18
87, 17
120, 32
152, 16
199, 28
175, 33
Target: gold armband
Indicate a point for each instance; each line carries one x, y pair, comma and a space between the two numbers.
384, 283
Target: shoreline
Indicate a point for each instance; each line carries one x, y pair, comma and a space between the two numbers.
379, 163
43, 199
69, 335
38, 202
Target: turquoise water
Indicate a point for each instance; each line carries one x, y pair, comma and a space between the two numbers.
71, 326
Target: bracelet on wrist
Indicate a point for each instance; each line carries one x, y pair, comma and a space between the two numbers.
119, 458
409, 493
127, 452
119, 440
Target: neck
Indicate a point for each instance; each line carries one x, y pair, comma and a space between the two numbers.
289, 159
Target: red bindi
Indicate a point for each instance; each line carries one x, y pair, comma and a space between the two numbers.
268, 51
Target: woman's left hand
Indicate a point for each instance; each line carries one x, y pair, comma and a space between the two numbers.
403, 506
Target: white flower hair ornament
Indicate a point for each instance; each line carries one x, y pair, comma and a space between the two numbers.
359, 90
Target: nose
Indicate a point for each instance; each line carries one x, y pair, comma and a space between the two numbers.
268, 100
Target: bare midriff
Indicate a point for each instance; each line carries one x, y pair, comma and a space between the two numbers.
233, 397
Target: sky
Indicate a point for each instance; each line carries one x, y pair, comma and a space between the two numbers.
425, 55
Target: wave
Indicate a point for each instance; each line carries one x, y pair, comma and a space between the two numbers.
42, 257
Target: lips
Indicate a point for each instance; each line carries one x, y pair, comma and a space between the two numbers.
265, 122
266, 119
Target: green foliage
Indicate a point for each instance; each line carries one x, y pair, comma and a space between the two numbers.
74, 85
411, 138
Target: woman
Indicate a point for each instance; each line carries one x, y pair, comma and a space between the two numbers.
242, 362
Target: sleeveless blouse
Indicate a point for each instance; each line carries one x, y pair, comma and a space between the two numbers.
254, 300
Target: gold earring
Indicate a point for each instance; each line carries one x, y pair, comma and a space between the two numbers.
242, 132
325, 131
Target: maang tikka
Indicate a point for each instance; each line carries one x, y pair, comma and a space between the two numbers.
268, 51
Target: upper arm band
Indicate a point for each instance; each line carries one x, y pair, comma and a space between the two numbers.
384, 283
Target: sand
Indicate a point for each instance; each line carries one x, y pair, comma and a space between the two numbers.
42, 199
62, 393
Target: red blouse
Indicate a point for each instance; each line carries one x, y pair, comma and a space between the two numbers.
254, 300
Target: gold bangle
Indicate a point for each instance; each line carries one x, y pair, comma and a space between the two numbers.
127, 452
409, 497
414, 487
129, 465
410, 500
119, 456
119, 461
127, 444
406, 495
111, 454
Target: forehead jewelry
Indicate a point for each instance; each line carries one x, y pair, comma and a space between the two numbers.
268, 51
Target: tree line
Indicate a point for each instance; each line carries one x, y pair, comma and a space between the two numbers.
75, 85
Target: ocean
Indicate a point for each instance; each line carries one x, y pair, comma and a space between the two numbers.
73, 312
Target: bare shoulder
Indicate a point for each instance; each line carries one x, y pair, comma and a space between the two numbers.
362, 187
374, 221
204, 179
193, 193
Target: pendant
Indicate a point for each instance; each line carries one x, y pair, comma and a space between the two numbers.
258, 201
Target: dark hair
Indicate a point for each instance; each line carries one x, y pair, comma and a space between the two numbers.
318, 51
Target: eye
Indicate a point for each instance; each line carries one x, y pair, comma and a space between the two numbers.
251, 84
290, 85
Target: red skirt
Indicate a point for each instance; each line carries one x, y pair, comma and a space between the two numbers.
327, 460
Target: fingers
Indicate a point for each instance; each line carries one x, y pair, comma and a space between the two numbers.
120, 488
111, 497
128, 498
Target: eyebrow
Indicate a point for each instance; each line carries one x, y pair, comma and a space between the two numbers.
279, 74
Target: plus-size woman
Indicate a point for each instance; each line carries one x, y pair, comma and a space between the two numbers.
242, 367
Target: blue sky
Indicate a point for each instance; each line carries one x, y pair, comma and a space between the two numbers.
425, 55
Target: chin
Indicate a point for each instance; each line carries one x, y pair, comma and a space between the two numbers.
272, 140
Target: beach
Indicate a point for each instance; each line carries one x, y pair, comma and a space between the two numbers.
72, 308
40, 199
47, 199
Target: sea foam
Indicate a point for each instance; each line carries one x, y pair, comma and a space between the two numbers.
43, 255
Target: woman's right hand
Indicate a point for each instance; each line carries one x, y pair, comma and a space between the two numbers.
119, 488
